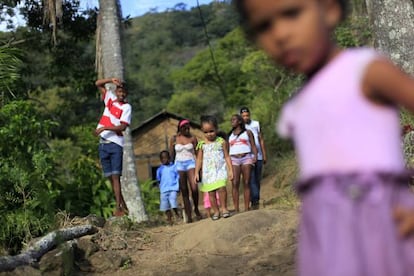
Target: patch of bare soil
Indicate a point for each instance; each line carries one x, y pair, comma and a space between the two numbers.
259, 242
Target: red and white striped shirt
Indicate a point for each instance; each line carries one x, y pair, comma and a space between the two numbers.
114, 114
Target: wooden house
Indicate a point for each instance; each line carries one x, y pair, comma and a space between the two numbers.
153, 136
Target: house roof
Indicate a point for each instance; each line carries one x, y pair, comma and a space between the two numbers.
160, 117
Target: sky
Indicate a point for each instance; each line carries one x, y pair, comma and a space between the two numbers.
139, 7
132, 8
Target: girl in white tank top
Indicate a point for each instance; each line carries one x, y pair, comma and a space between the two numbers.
243, 153
182, 149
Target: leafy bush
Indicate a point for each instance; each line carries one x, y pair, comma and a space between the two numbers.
26, 174
81, 187
354, 32
41, 176
151, 197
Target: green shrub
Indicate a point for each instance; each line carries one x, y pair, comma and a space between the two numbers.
151, 197
27, 200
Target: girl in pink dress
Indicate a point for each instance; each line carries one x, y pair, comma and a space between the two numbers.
345, 126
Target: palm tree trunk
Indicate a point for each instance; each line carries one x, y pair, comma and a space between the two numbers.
393, 26
109, 53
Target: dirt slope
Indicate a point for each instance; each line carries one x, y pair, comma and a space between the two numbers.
260, 242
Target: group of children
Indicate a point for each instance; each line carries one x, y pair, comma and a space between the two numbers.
213, 162
213, 168
217, 159
357, 211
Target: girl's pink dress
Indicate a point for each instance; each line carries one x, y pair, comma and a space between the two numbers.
351, 174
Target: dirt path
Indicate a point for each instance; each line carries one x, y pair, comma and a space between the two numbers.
259, 242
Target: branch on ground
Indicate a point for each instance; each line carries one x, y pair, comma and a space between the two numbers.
44, 245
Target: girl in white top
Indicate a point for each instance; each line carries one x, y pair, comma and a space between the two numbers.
243, 153
182, 149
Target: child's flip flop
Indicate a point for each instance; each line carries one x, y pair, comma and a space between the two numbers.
215, 217
226, 215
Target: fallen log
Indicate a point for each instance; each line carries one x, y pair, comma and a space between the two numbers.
42, 246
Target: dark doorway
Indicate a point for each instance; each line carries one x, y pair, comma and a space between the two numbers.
154, 172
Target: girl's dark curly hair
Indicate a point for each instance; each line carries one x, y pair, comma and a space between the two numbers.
239, 4
241, 123
210, 119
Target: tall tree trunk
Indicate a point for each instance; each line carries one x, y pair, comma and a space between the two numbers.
359, 7
393, 26
109, 52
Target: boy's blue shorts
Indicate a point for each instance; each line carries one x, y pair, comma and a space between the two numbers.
168, 200
111, 158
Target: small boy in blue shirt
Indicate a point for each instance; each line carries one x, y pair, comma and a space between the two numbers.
167, 177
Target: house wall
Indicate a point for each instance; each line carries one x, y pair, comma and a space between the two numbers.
152, 139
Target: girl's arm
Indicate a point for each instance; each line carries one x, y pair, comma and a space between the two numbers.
171, 147
262, 145
385, 83
199, 164
195, 142
252, 145
404, 218
228, 160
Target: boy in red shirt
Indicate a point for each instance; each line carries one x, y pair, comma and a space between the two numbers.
115, 119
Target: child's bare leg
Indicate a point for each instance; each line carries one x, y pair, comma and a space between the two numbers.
223, 200
185, 195
194, 191
177, 213
169, 217
246, 186
208, 212
235, 187
213, 202
124, 206
116, 186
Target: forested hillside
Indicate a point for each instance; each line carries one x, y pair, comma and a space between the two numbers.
191, 62
158, 44
50, 105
